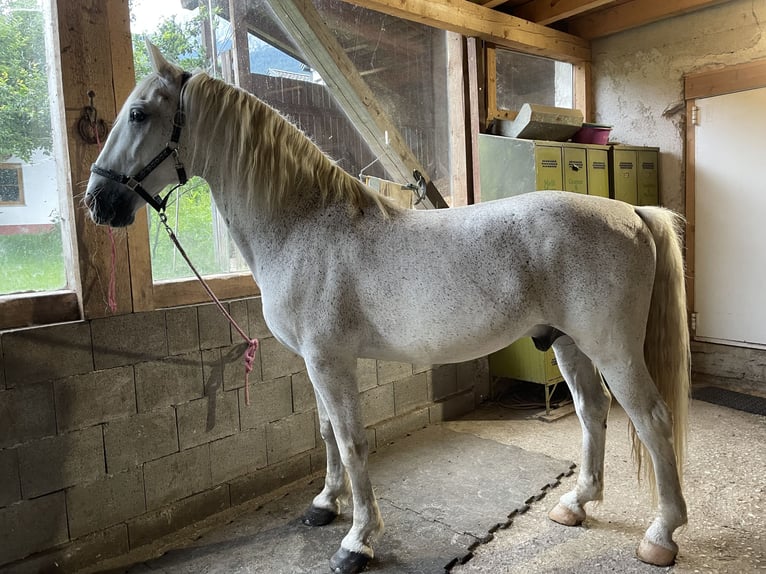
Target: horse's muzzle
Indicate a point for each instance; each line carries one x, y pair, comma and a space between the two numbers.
107, 208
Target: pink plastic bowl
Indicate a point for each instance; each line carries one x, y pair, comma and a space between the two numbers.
592, 134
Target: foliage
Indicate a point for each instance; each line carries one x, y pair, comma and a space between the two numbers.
25, 124
32, 262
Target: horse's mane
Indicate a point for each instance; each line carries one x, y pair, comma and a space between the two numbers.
269, 155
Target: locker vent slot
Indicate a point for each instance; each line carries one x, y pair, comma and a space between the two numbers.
575, 164
626, 165
647, 165
598, 165
549, 163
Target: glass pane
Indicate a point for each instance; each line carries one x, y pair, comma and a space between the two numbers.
522, 78
195, 39
31, 247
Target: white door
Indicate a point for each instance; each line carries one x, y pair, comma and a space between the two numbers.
730, 217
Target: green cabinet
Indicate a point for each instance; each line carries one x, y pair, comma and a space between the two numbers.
634, 174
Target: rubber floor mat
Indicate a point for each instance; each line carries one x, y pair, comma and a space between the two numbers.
731, 399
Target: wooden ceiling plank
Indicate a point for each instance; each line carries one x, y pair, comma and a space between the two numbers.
473, 20
631, 15
549, 11
302, 21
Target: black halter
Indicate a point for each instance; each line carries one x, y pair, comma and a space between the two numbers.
171, 148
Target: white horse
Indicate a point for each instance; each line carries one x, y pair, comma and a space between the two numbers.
599, 280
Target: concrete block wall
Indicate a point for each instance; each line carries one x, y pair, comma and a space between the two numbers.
117, 431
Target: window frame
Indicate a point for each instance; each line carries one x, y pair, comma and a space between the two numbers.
19, 169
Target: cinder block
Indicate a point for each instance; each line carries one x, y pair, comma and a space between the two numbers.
474, 375
238, 311
207, 419
233, 363
177, 476
366, 373
129, 339
269, 479
99, 396
169, 381
54, 463
10, 485
96, 505
389, 371
290, 436
31, 526
239, 454
26, 413
303, 393
269, 401
443, 381
214, 327
377, 404
278, 361
78, 554
258, 327
132, 441
453, 407
398, 427
149, 527
410, 393
46, 353
182, 330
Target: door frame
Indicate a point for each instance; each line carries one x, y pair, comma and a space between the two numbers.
706, 84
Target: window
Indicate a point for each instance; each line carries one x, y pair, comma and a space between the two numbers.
31, 230
516, 79
11, 184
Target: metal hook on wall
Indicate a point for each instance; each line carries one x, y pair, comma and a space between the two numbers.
91, 129
373, 162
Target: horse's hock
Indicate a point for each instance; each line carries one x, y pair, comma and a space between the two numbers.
127, 428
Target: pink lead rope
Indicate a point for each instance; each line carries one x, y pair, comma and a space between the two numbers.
252, 344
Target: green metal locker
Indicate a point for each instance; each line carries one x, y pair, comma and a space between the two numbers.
575, 171
598, 170
623, 174
648, 176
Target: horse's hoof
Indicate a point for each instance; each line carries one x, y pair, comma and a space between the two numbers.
315, 516
346, 562
655, 554
566, 516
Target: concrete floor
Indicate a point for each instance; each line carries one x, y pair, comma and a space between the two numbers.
725, 491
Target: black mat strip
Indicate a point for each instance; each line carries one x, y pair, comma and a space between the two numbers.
731, 399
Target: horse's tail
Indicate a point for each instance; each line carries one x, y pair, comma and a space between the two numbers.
666, 347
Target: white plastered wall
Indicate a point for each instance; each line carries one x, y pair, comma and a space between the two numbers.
638, 77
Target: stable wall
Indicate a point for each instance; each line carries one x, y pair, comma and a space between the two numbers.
638, 88
117, 431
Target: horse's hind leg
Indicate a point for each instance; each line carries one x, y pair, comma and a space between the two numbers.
591, 401
334, 380
634, 389
326, 505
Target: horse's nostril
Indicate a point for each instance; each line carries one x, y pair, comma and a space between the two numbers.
88, 200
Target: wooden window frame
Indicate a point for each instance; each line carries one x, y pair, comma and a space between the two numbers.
581, 90
18, 168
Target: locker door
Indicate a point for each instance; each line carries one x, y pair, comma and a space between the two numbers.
598, 174
548, 167
624, 183
648, 181
575, 174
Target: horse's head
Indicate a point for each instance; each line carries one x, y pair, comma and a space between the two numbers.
140, 157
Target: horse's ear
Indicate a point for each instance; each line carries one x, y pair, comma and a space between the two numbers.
170, 72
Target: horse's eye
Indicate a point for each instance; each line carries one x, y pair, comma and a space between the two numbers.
137, 116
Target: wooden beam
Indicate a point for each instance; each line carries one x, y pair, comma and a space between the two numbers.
747, 76
632, 14
302, 21
88, 33
548, 11
456, 87
469, 19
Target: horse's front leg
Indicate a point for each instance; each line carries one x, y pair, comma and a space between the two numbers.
327, 504
334, 380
